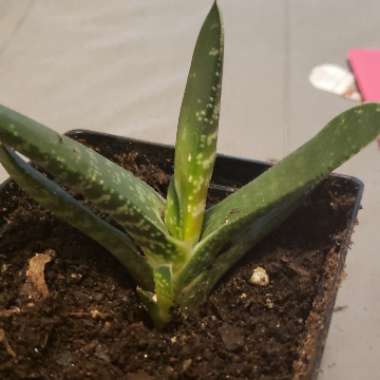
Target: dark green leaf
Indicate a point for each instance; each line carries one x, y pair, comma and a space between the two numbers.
197, 133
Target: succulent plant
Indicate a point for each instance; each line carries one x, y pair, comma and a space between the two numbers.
176, 249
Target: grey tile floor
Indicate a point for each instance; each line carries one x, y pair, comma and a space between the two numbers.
120, 67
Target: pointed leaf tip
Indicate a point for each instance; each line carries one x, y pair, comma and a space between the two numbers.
197, 133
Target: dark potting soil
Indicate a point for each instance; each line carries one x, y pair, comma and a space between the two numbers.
91, 324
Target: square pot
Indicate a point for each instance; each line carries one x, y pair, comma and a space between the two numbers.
327, 240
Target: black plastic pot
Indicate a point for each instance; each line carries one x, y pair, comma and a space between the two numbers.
231, 173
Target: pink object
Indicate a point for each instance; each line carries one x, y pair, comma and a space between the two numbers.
365, 64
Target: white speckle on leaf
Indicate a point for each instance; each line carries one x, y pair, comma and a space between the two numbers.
206, 163
259, 277
197, 185
198, 209
198, 115
213, 52
211, 138
216, 110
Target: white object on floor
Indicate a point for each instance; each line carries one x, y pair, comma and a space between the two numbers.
336, 80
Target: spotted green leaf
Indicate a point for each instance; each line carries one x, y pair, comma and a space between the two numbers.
51, 196
197, 133
257, 208
112, 189
159, 303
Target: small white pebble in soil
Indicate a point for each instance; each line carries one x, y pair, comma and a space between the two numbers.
186, 365
259, 277
97, 314
243, 296
173, 339
269, 303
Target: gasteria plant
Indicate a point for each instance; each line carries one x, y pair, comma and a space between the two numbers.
175, 249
